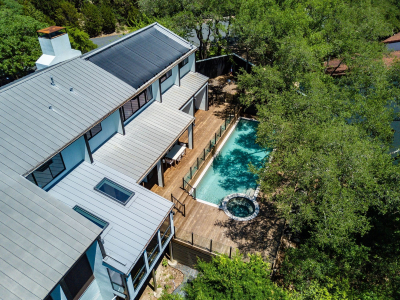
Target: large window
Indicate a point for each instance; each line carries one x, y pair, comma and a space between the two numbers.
96, 220
78, 278
165, 230
114, 191
152, 249
92, 132
138, 272
183, 62
129, 108
48, 171
116, 281
166, 76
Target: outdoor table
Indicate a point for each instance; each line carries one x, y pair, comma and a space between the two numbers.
175, 152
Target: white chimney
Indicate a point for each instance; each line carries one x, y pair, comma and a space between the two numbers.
55, 46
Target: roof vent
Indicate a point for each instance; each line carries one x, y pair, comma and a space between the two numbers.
71, 89
52, 81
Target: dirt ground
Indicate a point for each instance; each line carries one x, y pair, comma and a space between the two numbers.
227, 81
168, 278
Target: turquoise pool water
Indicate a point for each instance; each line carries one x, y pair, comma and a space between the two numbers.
229, 172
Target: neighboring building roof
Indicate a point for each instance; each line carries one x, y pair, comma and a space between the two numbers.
131, 226
393, 39
148, 136
137, 58
177, 96
335, 67
31, 133
40, 238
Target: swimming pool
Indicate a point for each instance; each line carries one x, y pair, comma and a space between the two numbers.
229, 172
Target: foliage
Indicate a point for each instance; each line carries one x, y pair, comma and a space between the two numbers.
80, 40
19, 47
225, 278
164, 262
331, 176
48, 7
93, 19
67, 15
108, 19
208, 20
166, 296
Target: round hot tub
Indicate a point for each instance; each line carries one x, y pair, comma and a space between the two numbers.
240, 207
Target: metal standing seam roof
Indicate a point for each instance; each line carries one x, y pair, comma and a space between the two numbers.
131, 226
40, 238
148, 136
139, 57
176, 96
31, 132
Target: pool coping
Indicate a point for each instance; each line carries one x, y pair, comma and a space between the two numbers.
256, 192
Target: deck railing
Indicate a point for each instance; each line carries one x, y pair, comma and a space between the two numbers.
189, 189
210, 149
204, 243
181, 207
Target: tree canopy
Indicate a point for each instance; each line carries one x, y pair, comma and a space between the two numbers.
331, 175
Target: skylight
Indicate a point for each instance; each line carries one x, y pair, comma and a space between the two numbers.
96, 220
114, 191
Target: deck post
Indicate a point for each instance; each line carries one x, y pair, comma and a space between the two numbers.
160, 174
171, 254
190, 136
154, 279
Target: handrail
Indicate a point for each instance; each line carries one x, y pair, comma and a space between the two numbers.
182, 204
192, 188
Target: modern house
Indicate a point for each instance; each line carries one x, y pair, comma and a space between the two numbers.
78, 140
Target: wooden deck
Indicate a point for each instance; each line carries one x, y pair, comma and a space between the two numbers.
207, 222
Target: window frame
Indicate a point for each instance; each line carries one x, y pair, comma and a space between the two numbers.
167, 75
90, 131
117, 284
89, 213
136, 98
96, 188
183, 62
48, 167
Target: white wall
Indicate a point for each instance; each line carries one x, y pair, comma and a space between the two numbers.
100, 273
171, 80
155, 86
108, 128
189, 66
188, 108
201, 98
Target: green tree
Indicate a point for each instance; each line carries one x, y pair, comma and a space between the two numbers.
108, 19
48, 7
225, 278
93, 19
19, 47
67, 15
331, 174
206, 19
80, 40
